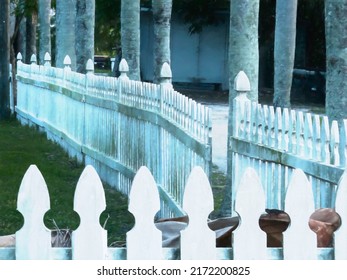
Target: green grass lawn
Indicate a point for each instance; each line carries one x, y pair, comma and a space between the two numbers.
21, 146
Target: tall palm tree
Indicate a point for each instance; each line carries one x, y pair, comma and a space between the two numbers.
65, 32
45, 29
130, 36
161, 20
285, 34
243, 55
85, 25
4, 59
336, 58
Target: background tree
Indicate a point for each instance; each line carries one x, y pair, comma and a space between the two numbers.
44, 29
161, 45
284, 54
130, 36
336, 55
4, 59
85, 26
243, 55
31, 29
65, 32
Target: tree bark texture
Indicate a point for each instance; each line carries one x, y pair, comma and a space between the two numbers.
4, 59
65, 32
161, 20
284, 54
243, 55
31, 24
336, 55
243, 44
85, 26
130, 36
44, 29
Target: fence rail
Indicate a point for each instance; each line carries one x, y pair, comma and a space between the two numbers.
118, 125
198, 241
276, 141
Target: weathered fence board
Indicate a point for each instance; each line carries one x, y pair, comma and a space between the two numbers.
277, 141
118, 125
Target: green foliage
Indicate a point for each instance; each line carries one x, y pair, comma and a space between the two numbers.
107, 26
200, 13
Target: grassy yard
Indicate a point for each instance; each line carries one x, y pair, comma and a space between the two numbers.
22, 146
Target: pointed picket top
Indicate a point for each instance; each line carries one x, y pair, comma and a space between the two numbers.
90, 66
33, 59
241, 82
67, 62
89, 240
165, 71
341, 209
33, 240
249, 240
144, 239
19, 57
299, 241
166, 75
198, 240
123, 69
47, 59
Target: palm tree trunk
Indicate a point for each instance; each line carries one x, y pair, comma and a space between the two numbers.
85, 25
243, 55
161, 20
336, 55
44, 28
31, 24
284, 54
130, 36
65, 32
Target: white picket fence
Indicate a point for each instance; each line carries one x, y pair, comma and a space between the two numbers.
118, 125
144, 240
276, 141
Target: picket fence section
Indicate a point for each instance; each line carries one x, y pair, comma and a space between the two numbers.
275, 141
118, 125
144, 240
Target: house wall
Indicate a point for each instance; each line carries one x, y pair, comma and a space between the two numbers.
196, 58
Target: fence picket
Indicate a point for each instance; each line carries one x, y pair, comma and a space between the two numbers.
198, 240
33, 240
144, 239
89, 240
299, 241
249, 240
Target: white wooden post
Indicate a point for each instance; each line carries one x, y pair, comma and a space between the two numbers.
89, 240
166, 76
242, 86
47, 59
33, 59
123, 69
299, 241
67, 63
249, 240
144, 239
33, 240
198, 241
340, 239
90, 66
